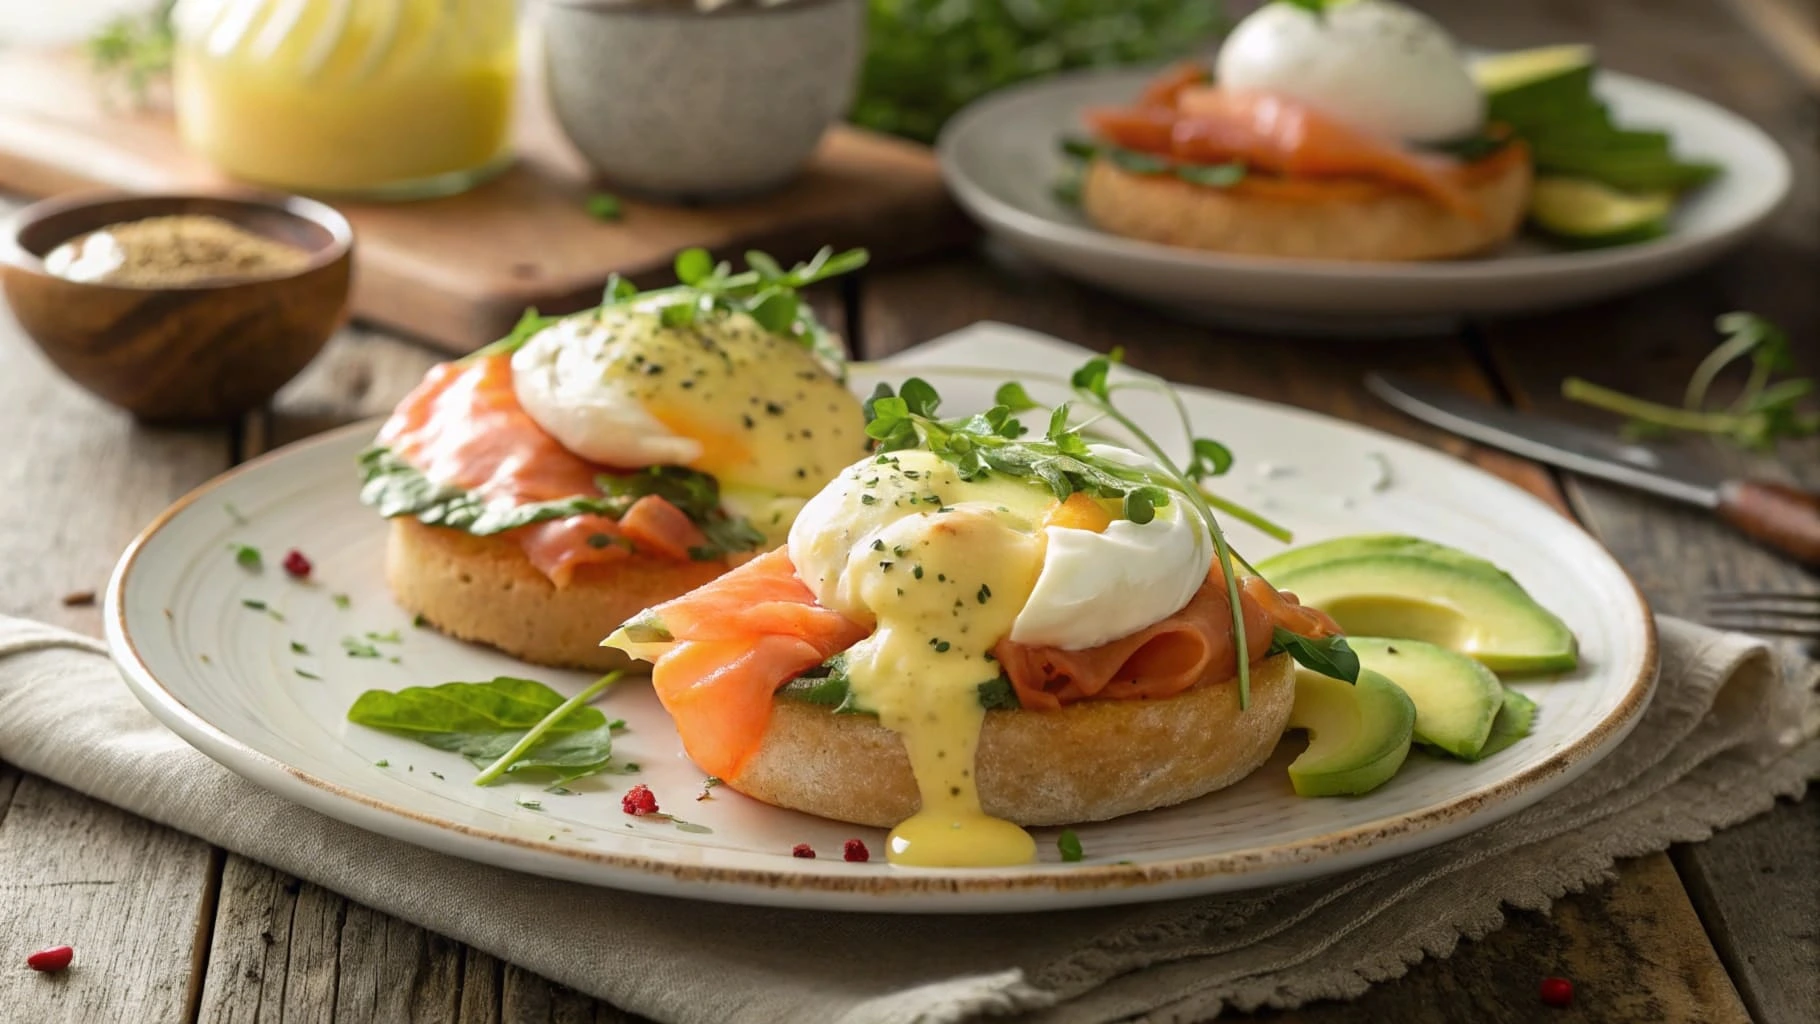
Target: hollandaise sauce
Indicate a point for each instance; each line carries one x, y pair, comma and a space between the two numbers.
943, 567
379, 98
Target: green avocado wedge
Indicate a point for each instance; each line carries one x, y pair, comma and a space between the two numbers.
1456, 698
1402, 587
1515, 720
1358, 733
1359, 545
1590, 213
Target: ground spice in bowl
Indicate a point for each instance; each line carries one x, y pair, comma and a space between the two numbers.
165, 252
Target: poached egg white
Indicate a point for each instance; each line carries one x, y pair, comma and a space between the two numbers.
724, 396
1379, 66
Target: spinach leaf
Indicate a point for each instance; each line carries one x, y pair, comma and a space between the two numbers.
696, 494
394, 487
1330, 656
997, 695
827, 685
502, 703
489, 722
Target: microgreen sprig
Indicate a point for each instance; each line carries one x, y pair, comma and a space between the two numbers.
1061, 459
765, 291
1766, 410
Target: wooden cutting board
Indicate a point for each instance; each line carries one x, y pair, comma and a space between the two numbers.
457, 272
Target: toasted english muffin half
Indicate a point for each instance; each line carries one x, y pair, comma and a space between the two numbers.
484, 589
1089, 761
1331, 219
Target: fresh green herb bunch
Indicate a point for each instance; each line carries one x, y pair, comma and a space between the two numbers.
764, 291
134, 49
995, 441
1766, 411
927, 59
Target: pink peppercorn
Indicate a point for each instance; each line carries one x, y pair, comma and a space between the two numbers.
855, 851
297, 566
639, 800
51, 960
1557, 991
803, 850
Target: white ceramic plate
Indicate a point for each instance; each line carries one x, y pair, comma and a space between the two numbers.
224, 676
1000, 158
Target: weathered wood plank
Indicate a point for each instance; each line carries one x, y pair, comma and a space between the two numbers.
124, 892
1645, 911
391, 971
1634, 951
92, 479
481, 979
530, 999
127, 894
1757, 905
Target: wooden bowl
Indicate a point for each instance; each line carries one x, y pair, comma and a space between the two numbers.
200, 352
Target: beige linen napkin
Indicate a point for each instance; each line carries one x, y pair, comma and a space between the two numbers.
1731, 729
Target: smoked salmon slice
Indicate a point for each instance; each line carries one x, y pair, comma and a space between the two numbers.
463, 425
1194, 123
1163, 659
730, 644
721, 652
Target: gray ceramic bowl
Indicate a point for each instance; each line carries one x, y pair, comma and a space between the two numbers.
671, 103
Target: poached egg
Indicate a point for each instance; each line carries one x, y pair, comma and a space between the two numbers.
723, 396
1377, 65
944, 569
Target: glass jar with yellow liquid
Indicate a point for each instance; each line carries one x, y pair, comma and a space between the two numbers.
382, 99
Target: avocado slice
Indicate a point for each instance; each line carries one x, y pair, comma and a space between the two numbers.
1502, 76
1443, 597
1358, 733
1514, 721
1359, 545
1456, 698
1589, 213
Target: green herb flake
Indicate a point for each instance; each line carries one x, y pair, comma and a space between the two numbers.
234, 513
392, 637
1070, 846
298, 648
253, 603
358, 648
605, 206
342, 601
985, 593
529, 805
247, 556
307, 674
382, 763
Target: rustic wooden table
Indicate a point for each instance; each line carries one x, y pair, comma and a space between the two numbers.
169, 929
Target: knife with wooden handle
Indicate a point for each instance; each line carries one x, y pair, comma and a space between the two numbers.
1776, 515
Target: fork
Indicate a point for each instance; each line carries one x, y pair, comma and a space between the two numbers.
1772, 613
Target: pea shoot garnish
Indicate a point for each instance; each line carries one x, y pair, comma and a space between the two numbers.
765, 291
1062, 460
1766, 410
